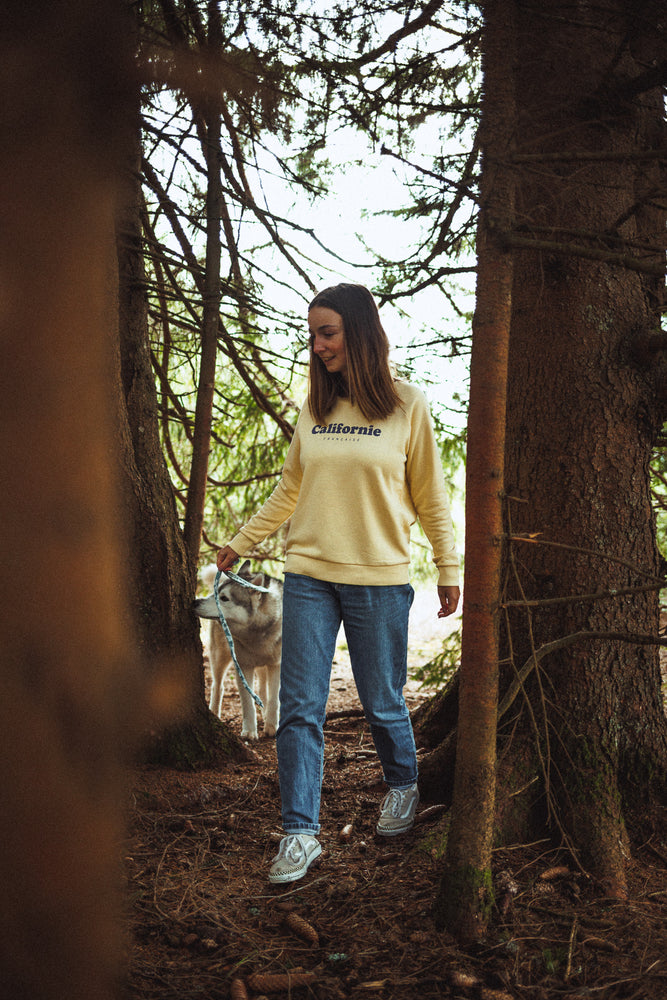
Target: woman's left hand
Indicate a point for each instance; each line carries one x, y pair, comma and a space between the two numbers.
449, 600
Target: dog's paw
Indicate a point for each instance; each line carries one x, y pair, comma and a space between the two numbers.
249, 734
270, 731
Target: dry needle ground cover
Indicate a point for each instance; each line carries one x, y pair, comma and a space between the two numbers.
204, 924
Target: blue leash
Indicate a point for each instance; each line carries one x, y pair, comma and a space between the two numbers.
225, 627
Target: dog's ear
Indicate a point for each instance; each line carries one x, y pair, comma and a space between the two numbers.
245, 568
258, 580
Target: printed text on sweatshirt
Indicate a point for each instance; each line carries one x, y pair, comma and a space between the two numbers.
352, 490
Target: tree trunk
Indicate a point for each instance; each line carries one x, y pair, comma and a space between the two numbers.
182, 732
201, 439
583, 747
69, 699
465, 895
583, 417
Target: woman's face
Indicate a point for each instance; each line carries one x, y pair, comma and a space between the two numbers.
327, 338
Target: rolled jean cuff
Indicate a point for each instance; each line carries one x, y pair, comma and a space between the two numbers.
312, 831
405, 784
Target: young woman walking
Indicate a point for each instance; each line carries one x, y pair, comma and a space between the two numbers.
362, 466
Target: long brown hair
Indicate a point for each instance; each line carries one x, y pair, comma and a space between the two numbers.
369, 382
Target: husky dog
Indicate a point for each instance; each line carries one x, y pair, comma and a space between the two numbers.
254, 619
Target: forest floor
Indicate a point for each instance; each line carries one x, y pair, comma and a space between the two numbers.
204, 923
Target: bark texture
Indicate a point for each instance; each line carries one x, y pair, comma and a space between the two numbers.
582, 740
582, 420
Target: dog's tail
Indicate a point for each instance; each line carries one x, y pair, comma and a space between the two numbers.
207, 576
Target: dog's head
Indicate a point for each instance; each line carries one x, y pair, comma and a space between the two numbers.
237, 602
258, 579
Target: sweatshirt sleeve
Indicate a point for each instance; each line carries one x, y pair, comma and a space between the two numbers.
426, 483
277, 508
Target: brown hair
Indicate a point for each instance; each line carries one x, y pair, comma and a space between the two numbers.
369, 383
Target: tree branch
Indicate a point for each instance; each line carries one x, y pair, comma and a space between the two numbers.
513, 241
563, 643
532, 540
390, 44
586, 156
227, 341
584, 598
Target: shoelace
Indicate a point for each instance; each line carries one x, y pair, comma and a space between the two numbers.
293, 849
393, 802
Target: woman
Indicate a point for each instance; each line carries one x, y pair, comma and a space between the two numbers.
362, 465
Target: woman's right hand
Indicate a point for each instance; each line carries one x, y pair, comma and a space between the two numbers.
226, 558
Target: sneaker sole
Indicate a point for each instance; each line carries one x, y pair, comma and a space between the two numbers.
395, 832
283, 878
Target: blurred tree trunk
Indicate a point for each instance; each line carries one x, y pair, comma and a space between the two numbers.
583, 744
70, 696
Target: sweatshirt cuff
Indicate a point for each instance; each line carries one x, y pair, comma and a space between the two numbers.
448, 576
241, 544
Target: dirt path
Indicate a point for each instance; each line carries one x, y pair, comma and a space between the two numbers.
202, 916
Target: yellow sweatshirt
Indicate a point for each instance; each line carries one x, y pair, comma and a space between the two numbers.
352, 490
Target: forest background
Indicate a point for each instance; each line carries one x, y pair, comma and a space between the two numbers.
312, 195
143, 147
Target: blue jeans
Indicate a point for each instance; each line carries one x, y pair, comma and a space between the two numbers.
376, 628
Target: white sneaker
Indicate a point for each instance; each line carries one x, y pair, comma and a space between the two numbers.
398, 811
296, 853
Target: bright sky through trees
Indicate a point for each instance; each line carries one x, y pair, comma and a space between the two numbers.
354, 224
358, 232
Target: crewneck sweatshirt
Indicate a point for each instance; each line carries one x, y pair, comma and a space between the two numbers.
352, 489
